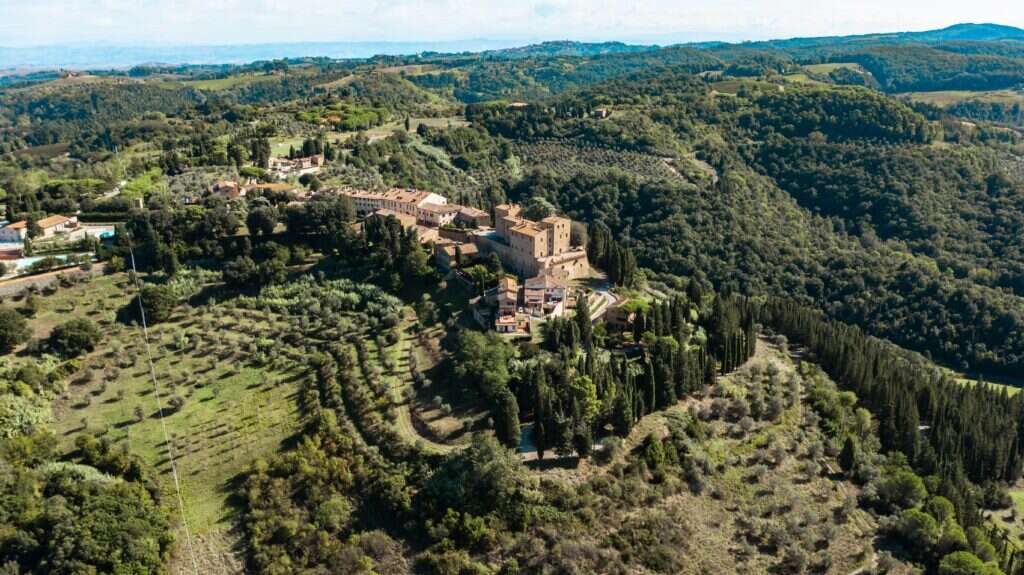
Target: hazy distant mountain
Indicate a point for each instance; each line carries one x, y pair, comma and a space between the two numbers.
95, 56
978, 32
569, 48
113, 56
956, 32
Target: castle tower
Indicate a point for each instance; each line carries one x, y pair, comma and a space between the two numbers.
558, 230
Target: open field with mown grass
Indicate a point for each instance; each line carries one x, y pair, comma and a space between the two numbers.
951, 97
832, 67
799, 78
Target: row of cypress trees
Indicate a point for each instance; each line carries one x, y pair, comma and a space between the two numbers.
959, 432
581, 389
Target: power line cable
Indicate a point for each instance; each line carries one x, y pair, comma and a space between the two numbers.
160, 412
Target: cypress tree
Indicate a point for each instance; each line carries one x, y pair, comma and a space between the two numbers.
848, 456
507, 428
582, 321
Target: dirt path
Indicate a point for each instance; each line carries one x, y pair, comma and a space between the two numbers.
404, 424
217, 553
17, 285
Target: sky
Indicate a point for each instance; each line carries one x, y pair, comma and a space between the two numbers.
219, 22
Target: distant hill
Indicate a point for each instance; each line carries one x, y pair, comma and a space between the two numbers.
95, 56
569, 48
954, 33
101, 56
978, 32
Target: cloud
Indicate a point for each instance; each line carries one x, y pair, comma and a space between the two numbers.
40, 22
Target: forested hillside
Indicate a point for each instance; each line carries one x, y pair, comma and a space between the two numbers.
803, 282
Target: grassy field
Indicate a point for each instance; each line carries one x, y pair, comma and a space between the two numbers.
229, 82
733, 85
801, 79
235, 407
828, 68
1012, 387
236, 383
950, 97
280, 146
411, 69
1012, 519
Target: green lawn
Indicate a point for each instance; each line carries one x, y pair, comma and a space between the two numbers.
229, 82
733, 85
801, 79
949, 97
828, 68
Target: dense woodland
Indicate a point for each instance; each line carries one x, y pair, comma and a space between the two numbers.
806, 262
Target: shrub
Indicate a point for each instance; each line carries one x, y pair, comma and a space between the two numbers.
74, 337
13, 329
175, 403
966, 563
158, 303
902, 490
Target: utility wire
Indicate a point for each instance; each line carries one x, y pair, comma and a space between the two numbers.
160, 411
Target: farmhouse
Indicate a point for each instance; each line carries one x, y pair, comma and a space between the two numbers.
620, 316
228, 188
284, 167
545, 295
50, 226
450, 255
473, 217
510, 305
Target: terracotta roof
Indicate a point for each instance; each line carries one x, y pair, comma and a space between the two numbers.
405, 219
394, 194
528, 229
17, 225
554, 220
409, 196
52, 221
545, 282
277, 187
507, 283
363, 195
441, 208
472, 212
466, 249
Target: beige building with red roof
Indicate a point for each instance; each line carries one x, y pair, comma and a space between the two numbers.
531, 248
50, 226
410, 202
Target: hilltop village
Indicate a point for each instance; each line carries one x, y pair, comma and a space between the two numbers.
539, 255
559, 309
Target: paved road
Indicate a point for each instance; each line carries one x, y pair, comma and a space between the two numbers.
607, 299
